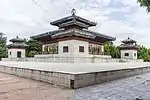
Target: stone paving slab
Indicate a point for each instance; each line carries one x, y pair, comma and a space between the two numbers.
16, 88
131, 88
74, 68
73, 75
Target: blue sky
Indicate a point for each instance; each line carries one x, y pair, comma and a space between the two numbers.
118, 18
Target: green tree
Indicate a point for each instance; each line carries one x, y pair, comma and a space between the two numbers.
110, 49
144, 53
114, 51
33, 47
3, 47
145, 3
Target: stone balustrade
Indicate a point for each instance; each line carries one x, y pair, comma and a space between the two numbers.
56, 59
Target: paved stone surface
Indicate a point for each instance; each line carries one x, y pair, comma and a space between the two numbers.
132, 88
17, 88
74, 68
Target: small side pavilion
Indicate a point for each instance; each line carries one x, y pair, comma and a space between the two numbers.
17, 48
128, 49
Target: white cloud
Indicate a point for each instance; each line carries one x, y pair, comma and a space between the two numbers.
25, 18
131, 3
22, 19
105, 2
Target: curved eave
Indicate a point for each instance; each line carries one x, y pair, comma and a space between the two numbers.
128, 47
62, 20
18, 47
84, 33
72, 32
72, 23
128, 41
40, 36
87, 33
85, 20
16, 40
70, 18
109, 38
46, 34
74, 35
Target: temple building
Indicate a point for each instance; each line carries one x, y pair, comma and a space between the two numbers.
128, 49
73, 38
17, 48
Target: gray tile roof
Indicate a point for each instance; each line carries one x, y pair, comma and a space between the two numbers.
84, 32
71, 18
128, 45
129, 40
17, 45
47, 34
17, 39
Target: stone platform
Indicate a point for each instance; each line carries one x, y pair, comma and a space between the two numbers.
73, 75
18, 88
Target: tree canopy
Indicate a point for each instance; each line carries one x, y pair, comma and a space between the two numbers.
3, 47
145, 3
110, 49
33, 47
114, 51
144, 53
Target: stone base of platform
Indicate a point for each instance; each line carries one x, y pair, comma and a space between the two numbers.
87, 79
72, 59
55, 78
73, 80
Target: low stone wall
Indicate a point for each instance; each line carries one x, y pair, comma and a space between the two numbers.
71, 59
73, 81
57, 55
55, 78
82, 80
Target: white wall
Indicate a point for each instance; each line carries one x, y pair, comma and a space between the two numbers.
73, 46
14, 53
102, 46
131, 54
43, 47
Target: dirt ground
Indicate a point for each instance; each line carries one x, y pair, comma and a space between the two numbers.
17, 88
